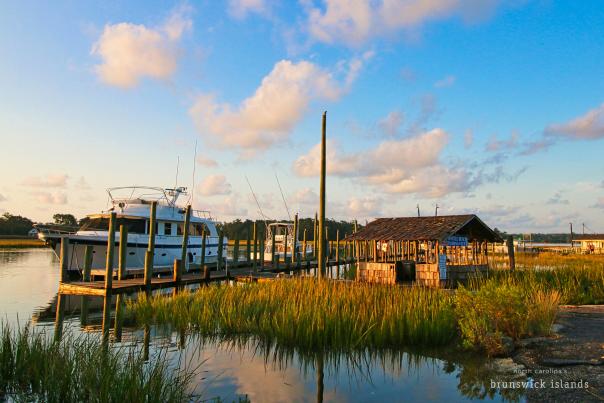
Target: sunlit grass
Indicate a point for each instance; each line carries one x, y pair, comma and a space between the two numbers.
35, 368
311, 314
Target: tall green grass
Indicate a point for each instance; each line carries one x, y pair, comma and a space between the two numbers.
35, 368
310, 314
578, 280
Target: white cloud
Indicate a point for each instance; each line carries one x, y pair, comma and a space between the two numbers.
49, 181
354, 22
364, 207
408, 165
589, 126
214, 185
392, 123
2, 197
267, 117
305, 196
241, 8
130, 52
447, 81
50, 198
206, 162
228, 208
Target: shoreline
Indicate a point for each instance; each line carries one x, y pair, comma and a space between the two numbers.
21, 243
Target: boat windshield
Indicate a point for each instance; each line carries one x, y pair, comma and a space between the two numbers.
134, 225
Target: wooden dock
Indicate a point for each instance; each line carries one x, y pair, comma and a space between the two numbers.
136, 284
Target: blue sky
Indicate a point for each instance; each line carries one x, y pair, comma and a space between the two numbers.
491, 107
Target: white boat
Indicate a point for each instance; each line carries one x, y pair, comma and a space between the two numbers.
284, 241
133, 211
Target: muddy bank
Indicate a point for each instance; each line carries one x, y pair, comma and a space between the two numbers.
569, 366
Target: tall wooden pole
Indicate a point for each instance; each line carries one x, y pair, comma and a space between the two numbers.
110, 252
185, 237
121, 265
295, 245
149, 255
511, 253
321, 261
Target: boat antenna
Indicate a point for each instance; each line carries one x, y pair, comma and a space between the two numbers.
283, 197
255, 198
192, 195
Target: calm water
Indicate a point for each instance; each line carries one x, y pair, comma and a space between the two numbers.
28, 285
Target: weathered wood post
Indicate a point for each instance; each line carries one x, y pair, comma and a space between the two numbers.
262, 241
64, 259
274, 257
87, 263
511, 253
295, 259
84, 302
60, 313
177, 271
202, 262
321, 263
149, 255
121, 265
106, 319
255, 233
337, 253
305, 257
119, 318
185, 239
220, 251
146, 342
285, 260
236, 250
315, 236
110, 252
248, 246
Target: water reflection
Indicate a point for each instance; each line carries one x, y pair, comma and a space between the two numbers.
230, 368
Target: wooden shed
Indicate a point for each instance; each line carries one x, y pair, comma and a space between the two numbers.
590, 243
442, 249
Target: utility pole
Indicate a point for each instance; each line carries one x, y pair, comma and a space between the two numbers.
418, 210
321, 258
571, 235
436, 211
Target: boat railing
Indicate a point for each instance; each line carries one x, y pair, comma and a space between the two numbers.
205, 214
55, 229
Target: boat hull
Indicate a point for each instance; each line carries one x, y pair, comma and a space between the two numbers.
167, 248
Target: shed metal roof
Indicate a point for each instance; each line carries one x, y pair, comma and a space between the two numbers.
436, 228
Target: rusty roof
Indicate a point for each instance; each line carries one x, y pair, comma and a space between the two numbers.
436, 228
588, 237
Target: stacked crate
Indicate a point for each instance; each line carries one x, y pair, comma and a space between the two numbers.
381, 273
427, 274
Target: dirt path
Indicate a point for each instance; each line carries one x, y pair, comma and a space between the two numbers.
568, 367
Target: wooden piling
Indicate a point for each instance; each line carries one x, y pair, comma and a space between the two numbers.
84, 302
123, 253
59, 316
248, 245
304, 246
185, 237
338, 250
119, 318
285, 261
262, 237
236, 249
204, 237
87, 263
321, 261
220, 251
110, 251
106, 325
274, 259
255, 233
315, 236
149, 255
511, 253
177, 271
295, 243
64, 258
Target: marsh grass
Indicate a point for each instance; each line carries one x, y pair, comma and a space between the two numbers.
309, 314
35, 368
579, 279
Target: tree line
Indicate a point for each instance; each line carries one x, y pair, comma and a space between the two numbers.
242, 228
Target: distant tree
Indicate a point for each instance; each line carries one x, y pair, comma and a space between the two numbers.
65, 219
241, 228
15, 224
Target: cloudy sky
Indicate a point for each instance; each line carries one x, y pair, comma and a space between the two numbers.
492, 107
